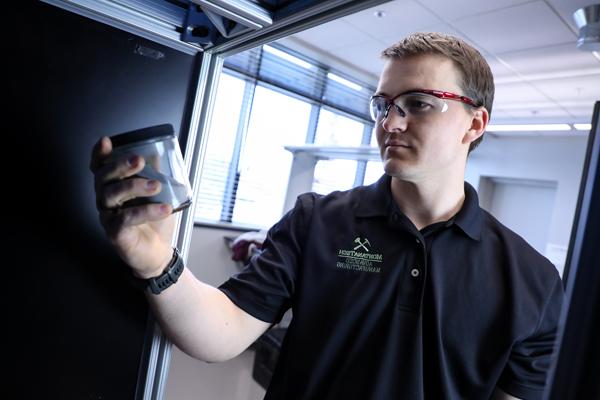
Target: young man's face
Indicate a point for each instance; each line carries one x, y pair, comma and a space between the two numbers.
414, 148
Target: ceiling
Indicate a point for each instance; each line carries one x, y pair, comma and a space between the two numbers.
540, 74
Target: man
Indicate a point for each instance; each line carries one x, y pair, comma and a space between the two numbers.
404, 289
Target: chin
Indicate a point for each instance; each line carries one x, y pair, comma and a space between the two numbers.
396, 168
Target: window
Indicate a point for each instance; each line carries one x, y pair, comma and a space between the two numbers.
374, 169
269, 98
373, 172
220, 148
336, 130
277, 120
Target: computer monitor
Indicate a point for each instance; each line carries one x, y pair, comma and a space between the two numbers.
577, 361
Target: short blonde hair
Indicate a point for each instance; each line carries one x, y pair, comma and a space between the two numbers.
477, 80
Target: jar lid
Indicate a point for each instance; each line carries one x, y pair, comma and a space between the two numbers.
142, 135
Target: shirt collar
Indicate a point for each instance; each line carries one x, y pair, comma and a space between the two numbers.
376, 200
470, 216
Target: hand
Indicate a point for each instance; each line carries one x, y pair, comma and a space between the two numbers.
140, 234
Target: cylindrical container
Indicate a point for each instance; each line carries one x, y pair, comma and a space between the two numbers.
159, 147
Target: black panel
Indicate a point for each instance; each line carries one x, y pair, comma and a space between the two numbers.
577, 365
78, 324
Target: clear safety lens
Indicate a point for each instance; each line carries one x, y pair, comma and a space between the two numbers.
413, 104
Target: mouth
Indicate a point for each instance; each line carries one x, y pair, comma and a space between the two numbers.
396, 148
396, 141
396, 144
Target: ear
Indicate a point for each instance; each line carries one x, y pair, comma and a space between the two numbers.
479, 122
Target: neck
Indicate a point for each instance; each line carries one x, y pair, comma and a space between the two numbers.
429, 201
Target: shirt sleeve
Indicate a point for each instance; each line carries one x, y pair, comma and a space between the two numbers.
526, 372
264, 288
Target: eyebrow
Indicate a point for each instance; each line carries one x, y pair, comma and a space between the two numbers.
404, 92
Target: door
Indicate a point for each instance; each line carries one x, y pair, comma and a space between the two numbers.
523, 205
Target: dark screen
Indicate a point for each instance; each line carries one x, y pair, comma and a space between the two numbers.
577, 362
78, 324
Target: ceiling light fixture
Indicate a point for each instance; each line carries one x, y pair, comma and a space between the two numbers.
287, 57
588, 21
344, 82
583, 127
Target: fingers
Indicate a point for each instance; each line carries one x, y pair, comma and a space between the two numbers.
116, 193
114, 184
106, 169
100, 153
115, 220
119, 169
115, 180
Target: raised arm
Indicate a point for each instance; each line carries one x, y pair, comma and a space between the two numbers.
198, 318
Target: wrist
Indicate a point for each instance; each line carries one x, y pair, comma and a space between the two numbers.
165, 260
167, 277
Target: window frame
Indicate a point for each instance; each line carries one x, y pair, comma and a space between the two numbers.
251, 81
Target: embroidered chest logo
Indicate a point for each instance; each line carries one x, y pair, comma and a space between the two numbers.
360, 257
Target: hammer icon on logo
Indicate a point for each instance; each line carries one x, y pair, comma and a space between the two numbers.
362, 243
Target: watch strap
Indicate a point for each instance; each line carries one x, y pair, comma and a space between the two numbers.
170, 275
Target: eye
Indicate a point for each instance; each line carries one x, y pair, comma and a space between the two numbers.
378, 106
381, 104
417, 105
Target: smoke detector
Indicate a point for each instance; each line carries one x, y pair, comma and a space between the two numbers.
588, 21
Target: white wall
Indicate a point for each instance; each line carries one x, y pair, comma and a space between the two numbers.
210, 261
525, 206
546, 158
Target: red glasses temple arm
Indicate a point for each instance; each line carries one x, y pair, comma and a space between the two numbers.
448, 95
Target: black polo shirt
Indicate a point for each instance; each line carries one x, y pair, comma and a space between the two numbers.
382, 310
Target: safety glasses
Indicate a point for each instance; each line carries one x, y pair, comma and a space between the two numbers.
417, 103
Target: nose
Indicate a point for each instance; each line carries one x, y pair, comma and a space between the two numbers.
395, 121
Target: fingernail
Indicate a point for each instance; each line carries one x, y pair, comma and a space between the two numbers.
152, 184
132, 161
164, 209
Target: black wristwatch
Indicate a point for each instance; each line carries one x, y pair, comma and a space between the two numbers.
169, 276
